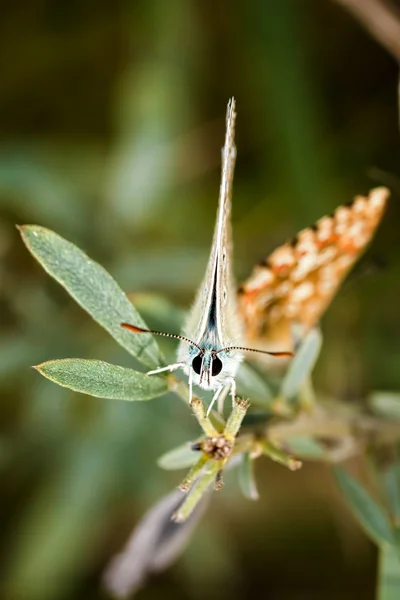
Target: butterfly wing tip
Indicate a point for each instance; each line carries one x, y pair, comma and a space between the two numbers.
379, 195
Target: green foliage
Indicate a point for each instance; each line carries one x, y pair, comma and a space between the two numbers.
379, 525
103, 380
389, 574
223, 444
178, 458
118, 151
93, 288
370, 515
301, 365
252, 385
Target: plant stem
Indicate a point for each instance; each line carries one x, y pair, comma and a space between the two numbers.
279, 456
204, 421
235, 419
197, 491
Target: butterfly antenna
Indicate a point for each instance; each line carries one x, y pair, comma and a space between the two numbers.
277, 354
136, 329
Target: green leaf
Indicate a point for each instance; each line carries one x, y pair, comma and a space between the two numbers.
179, 458
370, 515
388, 574
302, 364
93, 288
246, 477
251, 384
391, 482
305, 447
102, 379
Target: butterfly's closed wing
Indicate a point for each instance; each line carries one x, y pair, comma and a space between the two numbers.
296, 283
216, 298
211, 347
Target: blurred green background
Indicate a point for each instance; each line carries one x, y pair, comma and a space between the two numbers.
112, 122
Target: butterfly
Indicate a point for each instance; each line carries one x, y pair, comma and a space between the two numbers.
288, 292
292, 287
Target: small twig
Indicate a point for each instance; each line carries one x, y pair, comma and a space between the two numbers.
204, 422
279, 456
197, 491
235, 419
333, 421
194, 473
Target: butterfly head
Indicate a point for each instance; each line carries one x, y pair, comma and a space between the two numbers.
208, 367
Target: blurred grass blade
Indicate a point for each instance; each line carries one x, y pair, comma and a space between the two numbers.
246, 477
103, 380
155, 543
391, 482
179, 458
295, 121
153, 103
388, 574
369, 514
302, 364
93, 288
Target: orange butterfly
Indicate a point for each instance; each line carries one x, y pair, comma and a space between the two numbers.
296, 283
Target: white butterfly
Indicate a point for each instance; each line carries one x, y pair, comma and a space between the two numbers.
208, 352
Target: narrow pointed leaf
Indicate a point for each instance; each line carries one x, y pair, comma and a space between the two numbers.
370, 515
388, 574
179, 458
93, 288
103, 380
246, 477
251, 384
391, 481
302, 364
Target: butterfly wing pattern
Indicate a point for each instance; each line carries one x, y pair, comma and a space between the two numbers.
295, 284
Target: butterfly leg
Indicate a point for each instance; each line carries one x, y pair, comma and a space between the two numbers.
215, 398
221, 396
170, 368
233, 390
221, 399
190, 384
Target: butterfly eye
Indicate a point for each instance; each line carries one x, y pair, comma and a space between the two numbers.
216, 367
196, 363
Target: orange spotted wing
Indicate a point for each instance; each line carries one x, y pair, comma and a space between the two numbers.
296, 283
